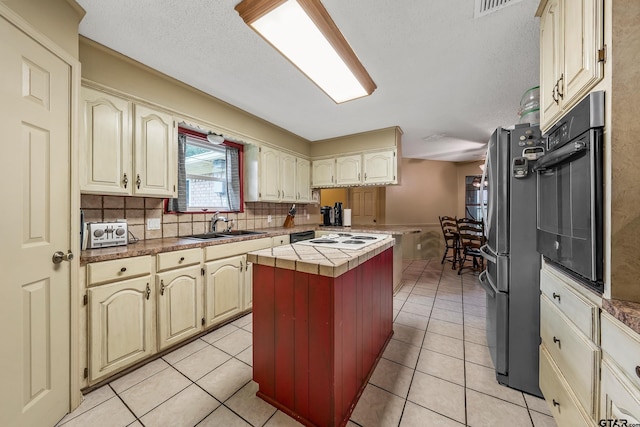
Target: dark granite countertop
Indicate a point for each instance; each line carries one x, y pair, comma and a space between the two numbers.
625, 311
156, 246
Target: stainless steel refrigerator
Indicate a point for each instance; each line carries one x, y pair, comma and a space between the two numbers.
511, 278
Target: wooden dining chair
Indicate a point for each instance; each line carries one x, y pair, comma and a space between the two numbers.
450, 233
471, 238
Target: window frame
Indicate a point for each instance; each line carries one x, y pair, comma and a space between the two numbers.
203, 137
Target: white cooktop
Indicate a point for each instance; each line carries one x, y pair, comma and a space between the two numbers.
346, 240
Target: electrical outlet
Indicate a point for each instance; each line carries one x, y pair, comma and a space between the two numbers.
153, 224
307, 216
269, 219
418, 246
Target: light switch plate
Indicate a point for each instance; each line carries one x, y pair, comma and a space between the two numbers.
269, 219
153, 224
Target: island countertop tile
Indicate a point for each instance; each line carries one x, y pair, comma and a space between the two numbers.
318, 260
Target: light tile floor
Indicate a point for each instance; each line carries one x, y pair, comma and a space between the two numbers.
435, 371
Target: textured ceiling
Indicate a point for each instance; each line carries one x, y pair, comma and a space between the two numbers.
446, 78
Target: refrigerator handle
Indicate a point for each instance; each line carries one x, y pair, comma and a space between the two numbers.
486, 255
485, 283
482, 181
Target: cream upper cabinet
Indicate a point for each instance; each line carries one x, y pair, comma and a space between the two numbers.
121, 325
348, 170
288, 177
223, 288
155, 153
179, 297
571, 54
127, 149
323, 172
303, 181
105, 156
380, 168
272, 175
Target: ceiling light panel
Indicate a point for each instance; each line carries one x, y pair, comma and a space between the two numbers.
304, 33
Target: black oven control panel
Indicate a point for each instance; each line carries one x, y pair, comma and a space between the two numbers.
558, 137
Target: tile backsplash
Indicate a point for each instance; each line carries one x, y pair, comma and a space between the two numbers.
137, 210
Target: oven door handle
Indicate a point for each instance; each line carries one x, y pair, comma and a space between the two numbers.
486, 255
553, 158
485, 283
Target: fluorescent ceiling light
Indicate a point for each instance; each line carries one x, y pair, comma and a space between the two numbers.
305, 34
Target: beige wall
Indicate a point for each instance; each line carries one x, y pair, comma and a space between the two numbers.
56, 19
381, 138
109, 68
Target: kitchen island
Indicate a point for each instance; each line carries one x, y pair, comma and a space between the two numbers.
321, 320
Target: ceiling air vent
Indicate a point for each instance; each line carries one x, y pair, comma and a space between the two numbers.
485, 7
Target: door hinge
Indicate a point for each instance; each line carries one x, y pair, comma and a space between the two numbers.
85, 299
203, 321
85, 373
602, 54
202, 271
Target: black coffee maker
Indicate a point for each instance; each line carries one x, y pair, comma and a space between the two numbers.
337, 214
327, 215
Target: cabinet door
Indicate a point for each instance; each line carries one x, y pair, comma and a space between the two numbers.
550, 62
583, 37
303, 180
105, 156
179, 296
323, 173
348, 170
223, 289
120, 325
379, 168
155, 154
269, 174
248, 287
287, 177
619, 400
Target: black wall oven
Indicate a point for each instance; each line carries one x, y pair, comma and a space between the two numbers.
570, 193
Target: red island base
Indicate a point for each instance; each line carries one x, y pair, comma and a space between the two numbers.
317, 339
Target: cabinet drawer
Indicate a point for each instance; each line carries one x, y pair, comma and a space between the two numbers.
623, 346
583, 313
619, 399
169, 260
575, 355
564, 408
236, 248
118, 269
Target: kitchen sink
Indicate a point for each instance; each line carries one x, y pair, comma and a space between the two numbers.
223, 234
239, 232
206, 236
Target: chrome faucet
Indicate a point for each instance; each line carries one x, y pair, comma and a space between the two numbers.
214, 220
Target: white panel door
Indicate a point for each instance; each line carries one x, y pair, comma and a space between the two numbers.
303, 180
379, 168
35, 106
269, 174
551, 57
348, 170
287, 177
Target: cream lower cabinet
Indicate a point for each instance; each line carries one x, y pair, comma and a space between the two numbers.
620, 391
179, 296
569, 352
121, 325
223, 289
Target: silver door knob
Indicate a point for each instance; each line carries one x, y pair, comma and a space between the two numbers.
60, 256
